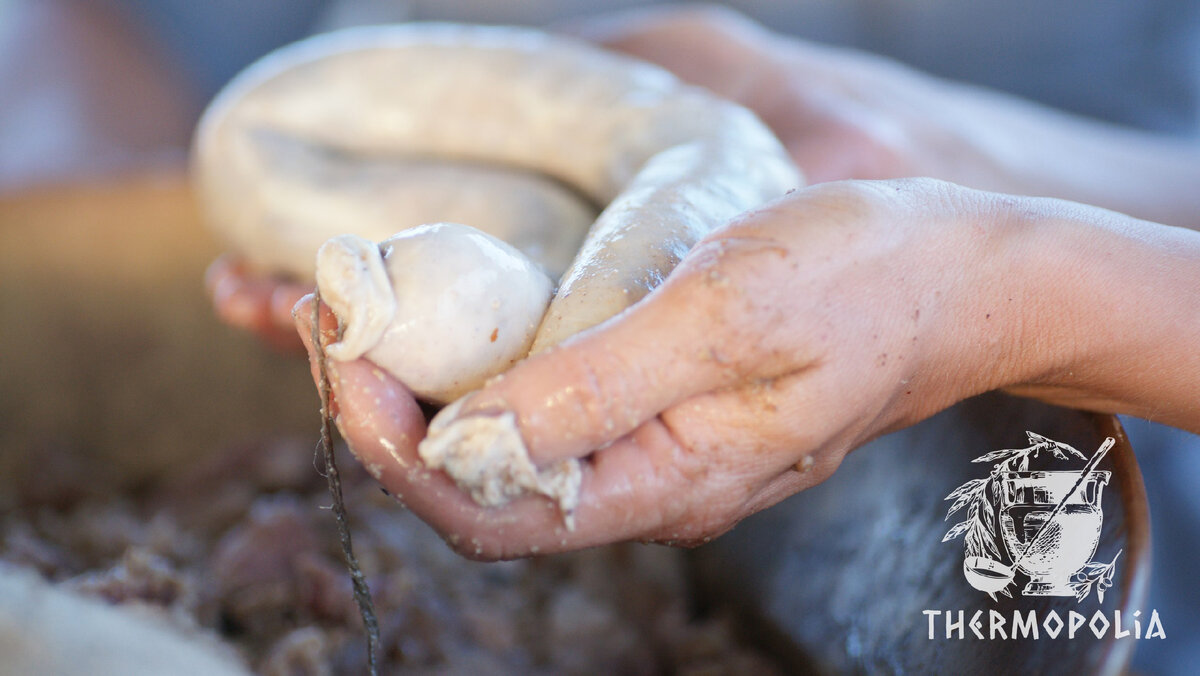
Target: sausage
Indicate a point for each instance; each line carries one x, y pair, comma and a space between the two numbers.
667, 161
441, 307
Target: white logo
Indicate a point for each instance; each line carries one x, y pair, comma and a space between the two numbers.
1044, 525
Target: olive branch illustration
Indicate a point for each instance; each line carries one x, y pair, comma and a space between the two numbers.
1098, 574
981, 496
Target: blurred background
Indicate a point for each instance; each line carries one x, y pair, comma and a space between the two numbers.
107, 346
97, 84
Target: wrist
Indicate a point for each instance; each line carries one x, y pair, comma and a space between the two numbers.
1101, 311
979, 277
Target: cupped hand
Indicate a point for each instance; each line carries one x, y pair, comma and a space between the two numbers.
791, 336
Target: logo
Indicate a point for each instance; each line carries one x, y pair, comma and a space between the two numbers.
1040, 527
1036, 531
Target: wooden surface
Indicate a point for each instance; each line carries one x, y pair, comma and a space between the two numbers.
838, 576
107, 343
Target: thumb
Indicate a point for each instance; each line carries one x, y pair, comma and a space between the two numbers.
688, 337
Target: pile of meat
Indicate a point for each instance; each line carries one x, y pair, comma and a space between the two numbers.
242, 545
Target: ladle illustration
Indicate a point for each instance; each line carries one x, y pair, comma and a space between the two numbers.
991, 576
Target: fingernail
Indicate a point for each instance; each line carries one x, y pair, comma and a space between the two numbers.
299, 308
466, 408
448, 415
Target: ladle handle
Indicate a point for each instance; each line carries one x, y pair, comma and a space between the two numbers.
1087, 469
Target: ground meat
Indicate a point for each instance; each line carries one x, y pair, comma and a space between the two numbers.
302, 652
242, 545
140, 576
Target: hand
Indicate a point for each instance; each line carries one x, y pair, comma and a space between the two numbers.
845, 114
841, 114
254, 302
788, 338
797, 333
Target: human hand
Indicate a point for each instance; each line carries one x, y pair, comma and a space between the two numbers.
843, 114
255, 302
793, 335
846, 114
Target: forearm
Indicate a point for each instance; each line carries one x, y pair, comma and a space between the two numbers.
845, 114
1110, 313
1143, 174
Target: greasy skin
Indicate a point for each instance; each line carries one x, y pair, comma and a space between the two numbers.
892, 309
797, 333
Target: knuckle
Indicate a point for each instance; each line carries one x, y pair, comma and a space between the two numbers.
736, 279
601, 395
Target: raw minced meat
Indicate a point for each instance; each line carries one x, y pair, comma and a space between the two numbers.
241, 545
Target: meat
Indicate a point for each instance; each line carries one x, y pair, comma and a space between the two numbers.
239, 548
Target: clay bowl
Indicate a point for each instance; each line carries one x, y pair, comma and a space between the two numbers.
838, 576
